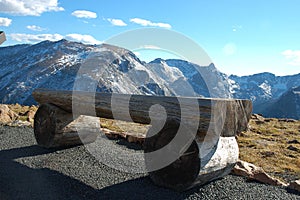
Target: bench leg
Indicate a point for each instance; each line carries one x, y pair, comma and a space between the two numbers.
54, 127
182, 173
191, 168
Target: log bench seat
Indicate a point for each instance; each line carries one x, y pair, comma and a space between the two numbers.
204, 130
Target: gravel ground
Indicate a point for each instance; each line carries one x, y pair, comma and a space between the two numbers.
30, 172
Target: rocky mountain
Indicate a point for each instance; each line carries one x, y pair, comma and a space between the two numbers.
69, 65
263, 88
287, 106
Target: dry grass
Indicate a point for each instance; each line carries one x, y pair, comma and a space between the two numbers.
23, 111
121, 126
273, 145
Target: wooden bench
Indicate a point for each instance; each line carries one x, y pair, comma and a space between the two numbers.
211, 153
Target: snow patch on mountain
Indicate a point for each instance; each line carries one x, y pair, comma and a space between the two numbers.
107, 68
266, 88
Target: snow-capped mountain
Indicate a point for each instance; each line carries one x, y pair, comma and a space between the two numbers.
104, 68
188, 79
69, 65
287, 106
262, 88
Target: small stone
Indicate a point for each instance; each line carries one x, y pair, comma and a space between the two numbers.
253, 172
293, 142
267, 154
287, 120
295, 185
292, 148
30, 115
268, 120
259, 122
20, 123
258, 118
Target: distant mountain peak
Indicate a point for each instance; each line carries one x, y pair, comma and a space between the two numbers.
55, 65
158, 61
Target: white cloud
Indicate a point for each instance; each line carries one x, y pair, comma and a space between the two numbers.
34, 38
84, 14
144, 22
29, 38
236, 28
293, 56
35, 28
137, 53
29, 7
87, 39
153, 47
117, 22
229, 49
5, 21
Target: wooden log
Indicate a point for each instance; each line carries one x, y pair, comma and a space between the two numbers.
210, 154
136, 108
190, 168
54, 127
180, 174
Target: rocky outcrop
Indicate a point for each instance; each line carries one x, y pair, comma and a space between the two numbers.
17, 115
30, 115
287, 106
7, 115
253, 172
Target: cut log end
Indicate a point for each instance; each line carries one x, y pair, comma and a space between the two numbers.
54, 127
180, 174
44, 125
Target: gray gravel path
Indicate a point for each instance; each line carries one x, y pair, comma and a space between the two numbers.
30, 172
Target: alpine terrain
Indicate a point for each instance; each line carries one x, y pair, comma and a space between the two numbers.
66, 65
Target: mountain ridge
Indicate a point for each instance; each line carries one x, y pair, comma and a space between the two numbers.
108, 68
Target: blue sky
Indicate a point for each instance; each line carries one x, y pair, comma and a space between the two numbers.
241, 37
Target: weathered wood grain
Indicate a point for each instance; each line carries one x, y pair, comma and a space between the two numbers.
233, 114
54, 127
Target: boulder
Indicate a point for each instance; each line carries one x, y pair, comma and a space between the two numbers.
257, 117
295, 185
7, 115
30, 115
253, 172
20, 123
293, 148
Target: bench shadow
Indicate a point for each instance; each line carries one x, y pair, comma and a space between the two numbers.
142, 188
18, 181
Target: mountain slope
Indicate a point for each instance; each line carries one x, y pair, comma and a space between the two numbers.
69, 65
287, 106
262, 88
105, 68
